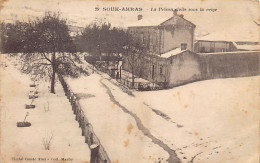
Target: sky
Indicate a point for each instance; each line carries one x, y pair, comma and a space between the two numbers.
229, 13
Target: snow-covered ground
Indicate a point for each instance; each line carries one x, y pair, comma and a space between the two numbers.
218, 119
52, 117
117, 131
207, 121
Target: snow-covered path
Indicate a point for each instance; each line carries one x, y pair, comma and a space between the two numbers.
167, 132
207, 121
52, 117
173, 157
117, 131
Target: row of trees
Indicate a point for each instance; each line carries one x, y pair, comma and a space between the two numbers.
12, 36
47, 48
102, 38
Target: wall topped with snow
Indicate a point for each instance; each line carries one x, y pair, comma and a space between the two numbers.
229, 64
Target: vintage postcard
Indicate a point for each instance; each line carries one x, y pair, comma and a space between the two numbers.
125, 81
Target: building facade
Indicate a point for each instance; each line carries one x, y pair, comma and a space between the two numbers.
172, 60
167, 42
163, 36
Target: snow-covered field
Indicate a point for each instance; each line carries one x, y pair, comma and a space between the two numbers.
207, 121
218, 119
204, 122
52, 117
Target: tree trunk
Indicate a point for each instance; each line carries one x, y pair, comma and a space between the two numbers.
53, 81
133, 78
53, 73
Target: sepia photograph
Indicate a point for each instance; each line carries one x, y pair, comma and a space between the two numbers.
129, 81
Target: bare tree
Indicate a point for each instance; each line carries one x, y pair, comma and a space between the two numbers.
133, 53
48, 49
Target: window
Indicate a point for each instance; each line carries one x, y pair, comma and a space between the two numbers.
202, 50
153, 67
161, 69
212, 47
183, 46
212, 50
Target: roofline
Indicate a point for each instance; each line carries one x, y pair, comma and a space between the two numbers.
232, 52
166, 21
169, 50
224, 41
181, 18
142, 26
187, 50
213, 41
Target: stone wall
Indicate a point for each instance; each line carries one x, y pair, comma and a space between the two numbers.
183, 68
189, 67
229, 64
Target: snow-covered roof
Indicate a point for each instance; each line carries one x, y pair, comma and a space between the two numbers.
172, 53
149, 21
248, 32
224, 53
154, 21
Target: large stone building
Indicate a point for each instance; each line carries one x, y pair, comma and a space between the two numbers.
169, 60
162, 36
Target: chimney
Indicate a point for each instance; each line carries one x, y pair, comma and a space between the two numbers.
175, 12
181, 15
139, 17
